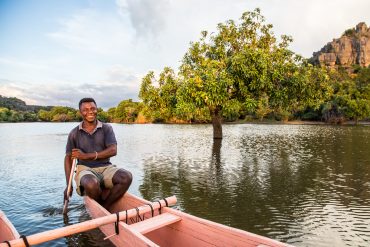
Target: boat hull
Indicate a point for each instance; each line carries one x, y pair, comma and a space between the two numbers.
7, 230
189, 231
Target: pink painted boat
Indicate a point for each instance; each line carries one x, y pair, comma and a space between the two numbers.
132, 221
171, 227
7, 230
11, 238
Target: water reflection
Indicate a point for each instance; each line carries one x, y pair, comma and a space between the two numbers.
305, 185
216, 156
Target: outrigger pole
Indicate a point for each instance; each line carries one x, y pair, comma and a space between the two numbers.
42, 237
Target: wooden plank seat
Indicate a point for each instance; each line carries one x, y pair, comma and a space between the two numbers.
154, 223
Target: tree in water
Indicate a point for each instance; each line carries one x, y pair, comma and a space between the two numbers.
242, 67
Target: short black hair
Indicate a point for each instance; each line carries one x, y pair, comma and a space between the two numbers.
84, 100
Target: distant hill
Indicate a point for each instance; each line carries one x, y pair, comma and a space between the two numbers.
352, 48
16, 104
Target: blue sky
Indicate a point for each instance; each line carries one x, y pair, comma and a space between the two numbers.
56, 52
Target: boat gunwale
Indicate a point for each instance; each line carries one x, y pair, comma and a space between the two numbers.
227, 230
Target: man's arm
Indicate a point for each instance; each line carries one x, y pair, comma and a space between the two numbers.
67, 167
110, 151
67, 171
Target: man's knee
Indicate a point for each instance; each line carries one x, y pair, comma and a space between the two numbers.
122, 177
90, 184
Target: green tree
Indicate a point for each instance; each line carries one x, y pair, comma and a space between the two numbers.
30, 117
168, 86
351, 103
62, 114
159, 95
111, 112
363, 82
243, 67
4, 114
126, 111
16, 116
103, 115
44, 115
150, 96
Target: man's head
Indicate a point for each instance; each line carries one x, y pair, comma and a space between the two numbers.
86, 100
88, 109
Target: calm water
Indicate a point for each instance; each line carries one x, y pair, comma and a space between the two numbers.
303, 185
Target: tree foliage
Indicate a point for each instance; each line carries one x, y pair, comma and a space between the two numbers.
240, 71
243, 71
126, 111
243, 67
159, 95
351, 97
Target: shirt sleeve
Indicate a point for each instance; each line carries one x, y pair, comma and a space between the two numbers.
110, 137
71, 142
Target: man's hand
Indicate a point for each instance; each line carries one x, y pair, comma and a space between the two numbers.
65, 193
78, 154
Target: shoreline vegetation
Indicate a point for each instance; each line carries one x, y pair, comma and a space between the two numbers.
241, 73
348, 104
14, 110
59, 114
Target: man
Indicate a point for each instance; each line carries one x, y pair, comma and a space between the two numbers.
92, 143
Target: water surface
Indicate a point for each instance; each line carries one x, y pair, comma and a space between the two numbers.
301, 184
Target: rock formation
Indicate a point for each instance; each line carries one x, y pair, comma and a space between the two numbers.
352, 48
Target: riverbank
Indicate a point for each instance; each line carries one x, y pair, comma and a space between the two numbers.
296, 122
265, 121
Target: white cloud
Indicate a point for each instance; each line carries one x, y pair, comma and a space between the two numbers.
119, 84
118, 73
11, 89
22, 64
100, 39
313, 23
92, 31
106, 51
161, 30
106, 96
147, 16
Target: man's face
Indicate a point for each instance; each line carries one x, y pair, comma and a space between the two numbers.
88, 111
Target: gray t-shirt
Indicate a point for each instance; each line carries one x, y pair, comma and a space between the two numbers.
100, 139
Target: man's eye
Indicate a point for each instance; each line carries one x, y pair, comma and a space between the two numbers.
90, 110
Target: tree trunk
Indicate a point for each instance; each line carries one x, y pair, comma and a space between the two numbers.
216, 122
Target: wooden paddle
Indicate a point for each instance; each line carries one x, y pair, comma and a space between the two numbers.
74, 163
42, 237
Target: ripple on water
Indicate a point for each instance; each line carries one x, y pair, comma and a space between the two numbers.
304, 185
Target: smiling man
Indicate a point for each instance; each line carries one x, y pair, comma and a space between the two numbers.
92, 143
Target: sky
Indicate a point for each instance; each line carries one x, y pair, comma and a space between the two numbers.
57, 52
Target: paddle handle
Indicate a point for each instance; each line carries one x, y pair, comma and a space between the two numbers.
42, 237
74, 162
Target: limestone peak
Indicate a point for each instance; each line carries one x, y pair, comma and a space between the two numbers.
353, 47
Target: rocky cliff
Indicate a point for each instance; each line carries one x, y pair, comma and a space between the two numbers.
353, 47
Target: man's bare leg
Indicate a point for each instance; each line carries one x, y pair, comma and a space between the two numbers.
121, 182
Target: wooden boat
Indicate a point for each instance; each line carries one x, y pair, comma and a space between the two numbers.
132, 221
20, 241
170, 227
7, 230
